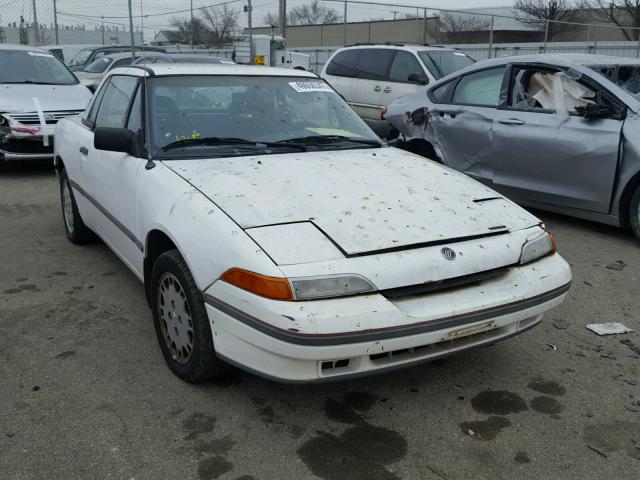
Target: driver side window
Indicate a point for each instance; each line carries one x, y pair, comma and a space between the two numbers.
114, 106
547, 91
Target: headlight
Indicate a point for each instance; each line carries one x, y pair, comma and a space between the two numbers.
307, 288
538, 246
301, 288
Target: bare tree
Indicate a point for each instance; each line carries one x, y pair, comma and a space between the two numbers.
539, 12
272, 19
623, 13
313, 14
461, 27
222, 22
182, 31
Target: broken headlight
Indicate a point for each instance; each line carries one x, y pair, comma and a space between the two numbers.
538, 246
309, 288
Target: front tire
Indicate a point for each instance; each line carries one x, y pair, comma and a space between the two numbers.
181, 321
77, 232
634, 213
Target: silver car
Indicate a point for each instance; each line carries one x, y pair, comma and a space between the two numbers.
554, 132
36, 91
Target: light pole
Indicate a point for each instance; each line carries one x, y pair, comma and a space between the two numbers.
55, 20
36, 27
133, 40
191, 29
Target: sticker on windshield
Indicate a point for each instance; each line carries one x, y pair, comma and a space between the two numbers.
310, 86
40, 54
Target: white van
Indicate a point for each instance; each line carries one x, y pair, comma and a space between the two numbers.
372, 76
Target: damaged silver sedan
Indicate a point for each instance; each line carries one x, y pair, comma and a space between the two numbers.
554, 132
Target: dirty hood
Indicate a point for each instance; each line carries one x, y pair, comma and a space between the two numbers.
365, 200
16, 98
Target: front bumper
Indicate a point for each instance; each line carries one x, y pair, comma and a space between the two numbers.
355, 336
26, 146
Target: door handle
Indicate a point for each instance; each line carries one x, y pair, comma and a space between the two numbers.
376, 88
84, 150
387, 90
511, 121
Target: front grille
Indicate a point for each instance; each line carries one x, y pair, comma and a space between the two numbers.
442, 347
463, 281
26, 145
51, 118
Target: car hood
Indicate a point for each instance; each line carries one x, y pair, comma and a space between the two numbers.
364, 200
19, 97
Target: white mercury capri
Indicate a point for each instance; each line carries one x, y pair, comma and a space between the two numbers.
275, 232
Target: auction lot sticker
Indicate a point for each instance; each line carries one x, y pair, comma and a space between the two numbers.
310, 86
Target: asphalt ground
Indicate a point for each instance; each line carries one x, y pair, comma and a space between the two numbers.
85, 394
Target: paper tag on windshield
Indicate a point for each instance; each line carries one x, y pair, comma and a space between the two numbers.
40, 54
310, 86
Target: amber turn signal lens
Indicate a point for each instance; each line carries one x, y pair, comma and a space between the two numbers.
554, 242
276, 288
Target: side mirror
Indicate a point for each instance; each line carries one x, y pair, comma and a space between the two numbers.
417, 78
593, 110
113, 140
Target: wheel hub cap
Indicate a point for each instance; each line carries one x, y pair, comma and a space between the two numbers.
67, 206
175, 318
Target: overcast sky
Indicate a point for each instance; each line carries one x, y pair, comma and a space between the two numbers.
158, 13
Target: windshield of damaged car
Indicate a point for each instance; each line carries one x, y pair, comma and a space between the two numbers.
442, 63
202, 115
625, 76
99, 65
23, 66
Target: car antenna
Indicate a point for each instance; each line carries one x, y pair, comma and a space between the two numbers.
150, 163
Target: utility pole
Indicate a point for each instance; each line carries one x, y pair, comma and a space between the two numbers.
345, 23
283, 18
133, 40
395, 13
141, 24
55, 20
102, 28
191, 29
36, 27
249, 9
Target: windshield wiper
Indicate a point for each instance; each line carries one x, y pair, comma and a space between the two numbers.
316, 139
32, 82
229, 141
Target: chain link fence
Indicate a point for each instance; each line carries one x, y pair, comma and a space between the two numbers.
315, 27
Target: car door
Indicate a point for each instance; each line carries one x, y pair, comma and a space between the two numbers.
461, 121
544, 152
406, 76
110, 178
372, 67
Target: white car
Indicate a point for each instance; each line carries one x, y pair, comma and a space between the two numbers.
36, 91
273, 231
372, 76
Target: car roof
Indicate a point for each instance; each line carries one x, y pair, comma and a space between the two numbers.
24, 48
416, 47
138, 54
564, 59
171, 69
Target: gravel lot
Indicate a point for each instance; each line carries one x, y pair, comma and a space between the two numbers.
85, 393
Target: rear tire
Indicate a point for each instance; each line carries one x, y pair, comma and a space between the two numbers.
634, 213
77, 232
181, 321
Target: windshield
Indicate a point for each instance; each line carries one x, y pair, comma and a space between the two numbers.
212, 115
99, 65
21, 66
626, 77
81, 57
445, 62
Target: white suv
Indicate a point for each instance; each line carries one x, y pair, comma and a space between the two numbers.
371, 76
